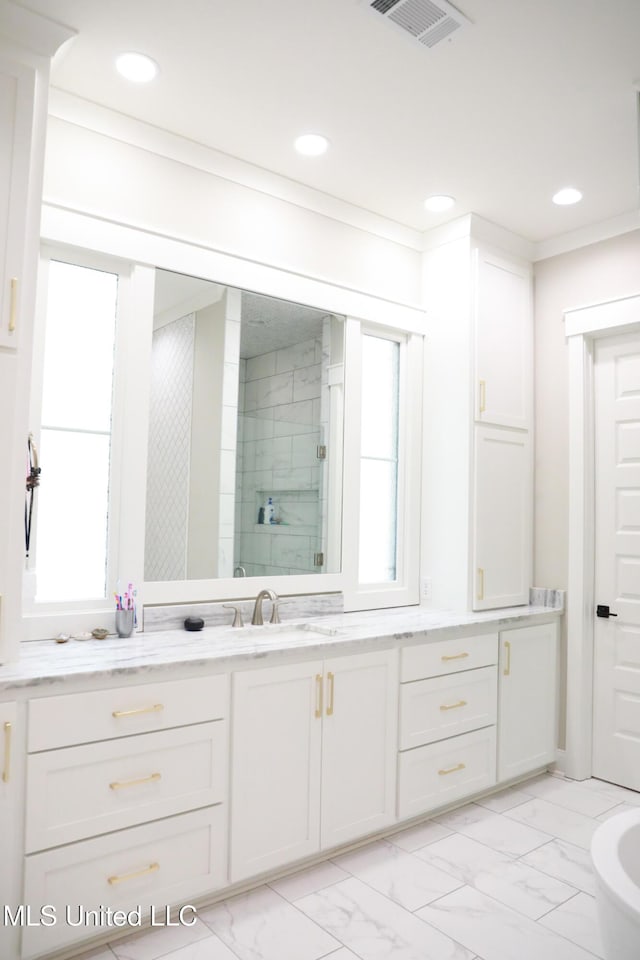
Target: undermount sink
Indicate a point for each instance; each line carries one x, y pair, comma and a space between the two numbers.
289, 631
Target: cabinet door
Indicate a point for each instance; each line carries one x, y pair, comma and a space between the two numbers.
527, 710
10, 838
17, 86
275, 781
503, 348
502, 518
359, 742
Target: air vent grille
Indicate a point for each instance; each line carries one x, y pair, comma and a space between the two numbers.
426, 21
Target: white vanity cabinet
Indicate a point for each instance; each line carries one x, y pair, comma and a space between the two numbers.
528, 699
126, 801
447, 735
11, 769
313, 752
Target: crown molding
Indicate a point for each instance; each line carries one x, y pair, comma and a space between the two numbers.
38, 34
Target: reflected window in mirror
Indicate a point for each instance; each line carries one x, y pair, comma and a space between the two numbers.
244, 472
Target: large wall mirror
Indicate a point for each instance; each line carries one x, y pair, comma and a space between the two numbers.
244, 469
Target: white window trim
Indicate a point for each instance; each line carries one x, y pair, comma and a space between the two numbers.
405, 589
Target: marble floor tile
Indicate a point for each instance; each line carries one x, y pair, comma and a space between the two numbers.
569, 794
494, 931
99, 953
614, 811
308, 881
374, 928
621, 794
412, 838
512, 882
154, 943
399, 875
505, 799
566, 862
210, 949
577, 921
555, 821
341, 954
261, 925
494, 829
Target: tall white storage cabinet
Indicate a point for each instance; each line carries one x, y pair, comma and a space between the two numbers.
478, 499
314, 756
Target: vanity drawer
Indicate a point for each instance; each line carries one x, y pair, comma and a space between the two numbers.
448, 656
104, 714
107, 786
172, 861
446, 706
432, 776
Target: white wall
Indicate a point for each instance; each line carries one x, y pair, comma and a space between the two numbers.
599, 272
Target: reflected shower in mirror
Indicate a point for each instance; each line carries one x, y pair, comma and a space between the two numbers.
245, 408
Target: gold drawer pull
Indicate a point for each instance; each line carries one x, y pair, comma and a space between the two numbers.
507, 670
332, 680
131, 876
134, 783
134, 713
458, 766
6, 773
318, 695
452, 706
12, 304
480, 594
455, 656
483, 396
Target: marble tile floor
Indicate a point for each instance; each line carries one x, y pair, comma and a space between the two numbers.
505, 878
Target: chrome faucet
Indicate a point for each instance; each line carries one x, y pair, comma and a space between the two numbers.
256, 619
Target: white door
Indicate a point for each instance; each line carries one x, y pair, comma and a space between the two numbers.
275, 770
616, 713
359, 743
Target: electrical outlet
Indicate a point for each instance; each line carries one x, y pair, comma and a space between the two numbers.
425, 588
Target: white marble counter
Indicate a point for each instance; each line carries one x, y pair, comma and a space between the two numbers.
155, 655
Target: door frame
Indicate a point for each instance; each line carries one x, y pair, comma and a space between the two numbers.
583, 326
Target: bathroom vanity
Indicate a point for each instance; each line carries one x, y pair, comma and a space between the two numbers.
173, 768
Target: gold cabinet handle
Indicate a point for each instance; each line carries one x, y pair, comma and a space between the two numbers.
331, 678
131, 876
483, 396
480, 595
121, 784
453, 706
134, 713
458, 766
13, 302
455, 656
6, 773
318, 695
507, 667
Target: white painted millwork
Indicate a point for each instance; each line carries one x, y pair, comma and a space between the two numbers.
11, 796
527, 699
448, 656
446, 706
616, 705
313, 758
503, 517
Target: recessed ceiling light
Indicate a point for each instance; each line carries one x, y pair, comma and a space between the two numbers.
311, 144
567, 196
439, 203
136, 67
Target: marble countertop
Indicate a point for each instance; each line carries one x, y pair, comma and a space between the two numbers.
156, 654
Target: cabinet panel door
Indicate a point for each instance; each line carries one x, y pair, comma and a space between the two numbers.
527, 706
275, 780
11, 802
359, 741
503, 328
503, 518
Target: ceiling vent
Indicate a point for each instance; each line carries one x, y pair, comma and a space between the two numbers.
425, 20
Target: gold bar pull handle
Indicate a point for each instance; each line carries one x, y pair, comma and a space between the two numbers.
131, 876
121, 784
332, 683
156, 708
483, 396
507, 667
454, 656
13, 304
480, 595
453, 706
318, 695
6, 773
458, 766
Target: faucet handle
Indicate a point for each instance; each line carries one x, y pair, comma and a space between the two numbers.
237, 619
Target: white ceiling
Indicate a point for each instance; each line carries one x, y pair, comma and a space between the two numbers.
534, 96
